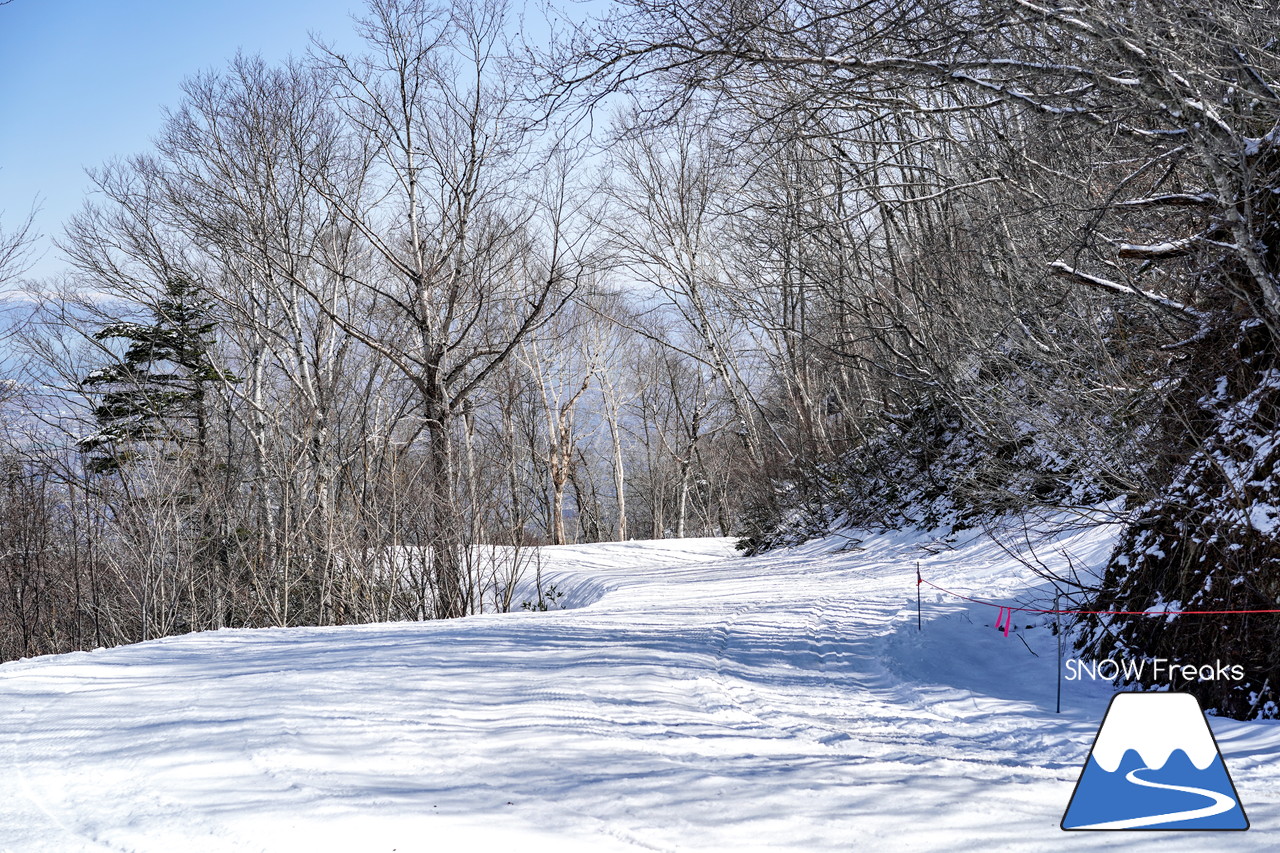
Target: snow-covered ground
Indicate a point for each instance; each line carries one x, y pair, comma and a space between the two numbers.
694, 700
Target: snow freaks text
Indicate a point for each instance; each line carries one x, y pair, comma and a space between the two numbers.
1155, 669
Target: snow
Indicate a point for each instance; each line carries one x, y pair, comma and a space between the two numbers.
1253, 146
694, 700
1263, 517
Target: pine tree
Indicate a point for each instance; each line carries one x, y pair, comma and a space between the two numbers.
156, 394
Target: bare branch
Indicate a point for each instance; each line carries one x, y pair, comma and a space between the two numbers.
15, 249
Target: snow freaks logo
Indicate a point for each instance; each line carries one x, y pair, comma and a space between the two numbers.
1154, 765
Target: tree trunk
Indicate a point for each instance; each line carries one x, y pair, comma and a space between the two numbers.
443, 536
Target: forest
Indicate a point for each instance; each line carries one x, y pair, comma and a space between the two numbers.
359, 333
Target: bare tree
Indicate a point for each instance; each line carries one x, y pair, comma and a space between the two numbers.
613, 343
466, 268
15, 250
562, 377
671, 188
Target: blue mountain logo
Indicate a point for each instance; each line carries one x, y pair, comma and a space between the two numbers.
1154, 765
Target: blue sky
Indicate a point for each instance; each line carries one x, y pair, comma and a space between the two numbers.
82, 81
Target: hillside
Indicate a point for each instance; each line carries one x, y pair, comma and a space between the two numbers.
691, 700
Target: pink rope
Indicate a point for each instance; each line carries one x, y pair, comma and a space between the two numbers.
921, 580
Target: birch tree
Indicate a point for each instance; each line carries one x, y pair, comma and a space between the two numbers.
466, 266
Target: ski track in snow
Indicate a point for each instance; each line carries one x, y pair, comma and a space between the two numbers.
695, 701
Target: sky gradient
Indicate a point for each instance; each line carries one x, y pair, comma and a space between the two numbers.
84, 81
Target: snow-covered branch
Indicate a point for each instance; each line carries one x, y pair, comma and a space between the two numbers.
1172, 305
1204, 199
1157, 251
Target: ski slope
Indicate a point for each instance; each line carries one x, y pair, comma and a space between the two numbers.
691, 700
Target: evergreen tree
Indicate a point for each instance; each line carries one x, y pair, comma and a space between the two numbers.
156, 394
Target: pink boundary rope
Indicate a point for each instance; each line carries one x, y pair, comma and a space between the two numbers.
1006, 612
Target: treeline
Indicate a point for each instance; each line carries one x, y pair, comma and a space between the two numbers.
361, 328
340, 349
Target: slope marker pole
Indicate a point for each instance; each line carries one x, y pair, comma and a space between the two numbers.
1058, 619
919, 580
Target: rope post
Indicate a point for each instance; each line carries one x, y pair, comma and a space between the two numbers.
1057, 615
919, 580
